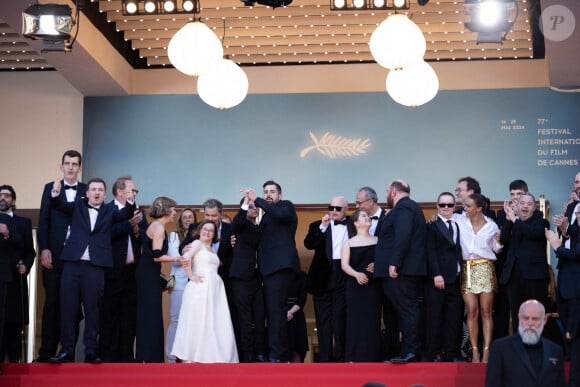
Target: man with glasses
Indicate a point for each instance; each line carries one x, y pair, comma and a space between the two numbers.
53, 228
467, 186
367, 201
443, 300
119, 309
16, 258
326, 280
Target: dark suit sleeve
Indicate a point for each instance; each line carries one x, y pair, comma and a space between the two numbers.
494, 369
432, 260
239, 221
44, 218
282, 212
505, 235
402, 235
314, 236
534, 229
28, 252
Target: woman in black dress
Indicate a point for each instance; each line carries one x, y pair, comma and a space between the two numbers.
297, 334
363, 294
149, 340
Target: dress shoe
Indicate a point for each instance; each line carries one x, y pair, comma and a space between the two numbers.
62, 357
408, 358
92, 359
260, 358
273, 360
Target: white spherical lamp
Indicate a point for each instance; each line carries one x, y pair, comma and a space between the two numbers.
413, 86
194, 49
397, 43
224, 87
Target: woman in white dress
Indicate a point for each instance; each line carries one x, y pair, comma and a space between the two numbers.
205, 333
186, 217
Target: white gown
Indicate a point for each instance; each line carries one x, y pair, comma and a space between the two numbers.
205, 333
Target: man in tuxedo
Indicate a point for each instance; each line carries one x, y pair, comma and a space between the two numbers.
401, 262
119, 307
367, 201
566, 223
278, 261
525, 358
569, 296
86, 254
525, 274
17, 290
467, 186
501, 311
246, 283
443, 287
326, 281
53, 226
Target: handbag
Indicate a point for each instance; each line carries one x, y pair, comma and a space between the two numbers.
166, 282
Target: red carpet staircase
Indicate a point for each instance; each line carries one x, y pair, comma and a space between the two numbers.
254, 375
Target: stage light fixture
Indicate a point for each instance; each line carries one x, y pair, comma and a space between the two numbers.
47, 21
491, 19
341, 5
155, 7
268, 3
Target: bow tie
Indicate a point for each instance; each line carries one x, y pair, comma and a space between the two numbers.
374, 217
94, 208
73, 187
343, 222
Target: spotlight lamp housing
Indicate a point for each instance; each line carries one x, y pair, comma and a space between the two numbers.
157, 7
491, 19
47, 22
267, 3
343, 5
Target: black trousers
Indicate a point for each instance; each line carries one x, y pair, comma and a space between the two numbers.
250, 328
519, 289
276, 290
51, 311
405, 292
444, 318
330, 315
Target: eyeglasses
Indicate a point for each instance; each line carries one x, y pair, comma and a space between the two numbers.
334, 208
5, 195
448, 205
135, 191
364, 201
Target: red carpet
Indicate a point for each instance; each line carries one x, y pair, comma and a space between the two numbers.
254, 375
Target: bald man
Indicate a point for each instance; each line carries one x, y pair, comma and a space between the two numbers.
525, 358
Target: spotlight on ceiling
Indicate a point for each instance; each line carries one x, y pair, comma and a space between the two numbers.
268, 3
156, 7
341, 5
491, 19
47, 21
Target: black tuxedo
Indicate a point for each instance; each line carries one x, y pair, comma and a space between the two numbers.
569, 293
573, 227
444, 312
525, 272
83, 281
278, 263
9, 251
247, 292
52, 229
402, 244
510, 365
119, 307
501, 309
326, 282
17, 289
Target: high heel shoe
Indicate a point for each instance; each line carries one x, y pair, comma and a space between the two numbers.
485, 357
475, 355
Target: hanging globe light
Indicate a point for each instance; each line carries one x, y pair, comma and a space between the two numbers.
397, 43
414, 85
194, 49
224, 87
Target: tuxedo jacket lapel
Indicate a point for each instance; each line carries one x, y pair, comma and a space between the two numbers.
442, 227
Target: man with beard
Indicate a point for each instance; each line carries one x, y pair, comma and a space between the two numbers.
525, 358
16, 258
277, 260
400, 261
525, 273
